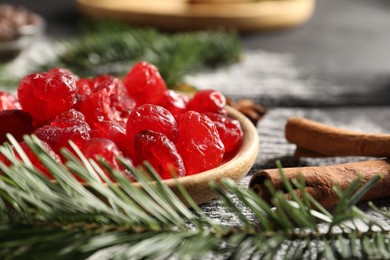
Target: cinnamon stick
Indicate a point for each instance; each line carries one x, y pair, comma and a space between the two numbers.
332, 141
320, 180
249, 108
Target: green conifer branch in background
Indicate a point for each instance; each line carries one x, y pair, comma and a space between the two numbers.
108, 47
64, 219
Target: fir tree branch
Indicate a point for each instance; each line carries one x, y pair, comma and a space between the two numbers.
108, 47
43, 219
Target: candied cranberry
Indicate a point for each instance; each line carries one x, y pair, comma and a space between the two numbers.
145, 84
87, 86
33, 158
8, 101
151, 117
116, 133
104, 148
229, 130
160, 152
199, 143
69, 119
121, 102
103, 98
208, 101
15, 122
64, 70
84, 87
174, 103
45, 95
67, 126
96, 108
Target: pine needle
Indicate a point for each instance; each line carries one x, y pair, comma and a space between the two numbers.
64, 219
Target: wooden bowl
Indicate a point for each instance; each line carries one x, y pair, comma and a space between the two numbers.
197, 185
242, 15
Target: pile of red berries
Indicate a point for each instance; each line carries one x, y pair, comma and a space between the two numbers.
137, 118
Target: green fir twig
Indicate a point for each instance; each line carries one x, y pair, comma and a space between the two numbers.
64, 219
108, 47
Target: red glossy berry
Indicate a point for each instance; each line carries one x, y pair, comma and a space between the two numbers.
199, 143
229, 130
151, 117
121, 102
160, 152
70, 118
103, 98
15, 122
174, 103
115, 88
208, 101
116, 133
64, 70
102, 148
69, 125
45, 95
145, 84
84, 87
8, 101
96, 108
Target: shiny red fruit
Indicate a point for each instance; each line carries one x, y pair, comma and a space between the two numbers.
45, 95
96, 108
96, 148
84, 87
103, 98
199, 143
151, 117
116, 133
229, 130
8, 101
15, 122
208, 101
69, 125
145, 84
64, 70
160, 152
174, 103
